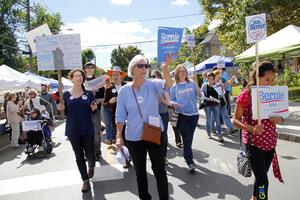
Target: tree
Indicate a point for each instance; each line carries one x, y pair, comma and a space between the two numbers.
122, 56
10, 17
87, 56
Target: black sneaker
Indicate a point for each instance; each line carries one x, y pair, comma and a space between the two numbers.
98, 157
232, 130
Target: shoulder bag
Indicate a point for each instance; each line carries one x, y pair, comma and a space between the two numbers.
150, 133
243, 161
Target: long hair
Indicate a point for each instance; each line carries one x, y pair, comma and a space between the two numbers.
71, 74
263, 67
158, 73
11, 95
177, 72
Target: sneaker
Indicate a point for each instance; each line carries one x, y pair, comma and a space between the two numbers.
98, 157
125, 166
16, 147
208, 136
41, 148
114, 141
109, 143
102, 128
221, 138
179, 145
191, 167
232, 130
30, 150
213, 130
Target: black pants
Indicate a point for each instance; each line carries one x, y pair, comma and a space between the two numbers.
34, 137
177, 135
138, 152
260, 162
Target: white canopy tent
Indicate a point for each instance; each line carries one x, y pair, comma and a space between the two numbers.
67, 83
12, 80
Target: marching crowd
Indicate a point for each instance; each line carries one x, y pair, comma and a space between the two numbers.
127, 107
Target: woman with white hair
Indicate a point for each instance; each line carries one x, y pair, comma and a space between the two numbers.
146, 92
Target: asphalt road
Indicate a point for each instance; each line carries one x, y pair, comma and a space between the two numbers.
55, 176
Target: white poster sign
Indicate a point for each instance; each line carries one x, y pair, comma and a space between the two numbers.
221, 63
96, 83
274, 101
190, 40
58, 52
38, 31
256, 28
33, 125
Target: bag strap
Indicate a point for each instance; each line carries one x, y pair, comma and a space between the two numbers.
137, 104
249, 122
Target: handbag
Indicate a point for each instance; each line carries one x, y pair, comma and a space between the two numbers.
203, 104
150, 133
243, 161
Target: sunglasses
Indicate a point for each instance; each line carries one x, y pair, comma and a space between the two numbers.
31, 93
209, 75
153, 76
89, 67
142, 65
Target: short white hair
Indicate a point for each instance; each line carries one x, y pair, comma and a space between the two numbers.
133, 62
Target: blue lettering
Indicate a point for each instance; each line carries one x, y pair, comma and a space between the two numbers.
271, 96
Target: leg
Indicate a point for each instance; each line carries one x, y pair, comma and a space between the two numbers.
88, 146
165, 119
138, 153
216, 112
108, 127
156, 154
228, 106
260, 163
15, 132
225, 117
185, 129
97, 126
177, 135
77, 145
212, 121
207, 110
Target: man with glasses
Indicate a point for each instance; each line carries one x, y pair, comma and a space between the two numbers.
89, 68
50, 108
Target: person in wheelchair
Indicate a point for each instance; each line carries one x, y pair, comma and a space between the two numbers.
36, 138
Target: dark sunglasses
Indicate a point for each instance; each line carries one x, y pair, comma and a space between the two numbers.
153, 76
31, 93
210, 75
142, 65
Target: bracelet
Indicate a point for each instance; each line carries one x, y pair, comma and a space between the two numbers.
281, 121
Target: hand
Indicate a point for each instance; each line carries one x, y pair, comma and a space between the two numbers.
275, 120
199, 92
41, 121
61, 106
19, 103
120, 143
159, 96
258, 129
94, 105
113, 100
175, 106
168, 61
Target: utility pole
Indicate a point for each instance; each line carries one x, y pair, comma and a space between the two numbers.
28, 24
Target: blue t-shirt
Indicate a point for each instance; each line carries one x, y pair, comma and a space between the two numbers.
78, 112
148, 102
226, 76
184, 95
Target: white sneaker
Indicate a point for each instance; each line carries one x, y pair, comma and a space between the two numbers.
30, 150
41, 148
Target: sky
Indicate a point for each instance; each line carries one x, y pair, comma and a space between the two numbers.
124, 22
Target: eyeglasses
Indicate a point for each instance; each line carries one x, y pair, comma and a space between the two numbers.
31, 93
142, 65
78, 76
89, 67
182, 71
153, 76
210, 75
